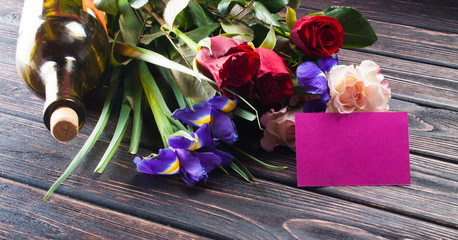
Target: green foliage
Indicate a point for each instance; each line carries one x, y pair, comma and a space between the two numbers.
224, 5
238, 28
108, 6
290, 18
199, 15
173, 8
294, 4
202, 32
263, 14
270, 40
274, 6
358, 31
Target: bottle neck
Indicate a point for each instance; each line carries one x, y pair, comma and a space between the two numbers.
63, 87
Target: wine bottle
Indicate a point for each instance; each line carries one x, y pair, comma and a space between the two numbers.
62, 54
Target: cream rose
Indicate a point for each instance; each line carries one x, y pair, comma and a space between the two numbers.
280, 129
358, 89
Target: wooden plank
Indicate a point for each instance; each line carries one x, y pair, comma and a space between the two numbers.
431, 196
11, 11
24, 215
411, 43
226, 207
8, 37
427, 14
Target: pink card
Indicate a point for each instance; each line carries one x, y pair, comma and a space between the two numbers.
352, 149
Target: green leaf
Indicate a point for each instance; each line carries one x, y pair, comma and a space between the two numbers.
200, 17
129, 23
173, 8
117, 137
257, 160
294, 4
206, 42
241, 170
157, 59
260, 33
358, 31
190, 86
245, 114
108, 6
249, 105
138, 116
261, 13
238, 27
270, 40
274, 6
202, 32
164, 124
148, 38
137, 3
101, 123
223, 6
290, 17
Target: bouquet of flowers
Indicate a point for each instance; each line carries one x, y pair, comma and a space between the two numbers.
199, 64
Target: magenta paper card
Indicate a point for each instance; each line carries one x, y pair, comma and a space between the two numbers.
352, 149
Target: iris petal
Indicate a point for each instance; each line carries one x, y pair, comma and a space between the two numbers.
226, 158
203, 136
208, 161
191, 170
223, 127
326, 63
222, 103
196, 118
310, 77
315, 105
165, 164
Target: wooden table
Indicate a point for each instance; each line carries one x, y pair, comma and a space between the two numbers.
418, 52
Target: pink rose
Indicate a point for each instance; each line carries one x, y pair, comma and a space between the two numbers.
280, 129
358, 89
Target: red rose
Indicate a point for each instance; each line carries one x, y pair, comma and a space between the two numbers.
317, 35
273, 82
231, 63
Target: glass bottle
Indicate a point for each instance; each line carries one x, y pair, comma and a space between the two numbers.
62, 54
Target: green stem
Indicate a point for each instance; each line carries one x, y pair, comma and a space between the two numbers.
283, 33
257, 160
183, 37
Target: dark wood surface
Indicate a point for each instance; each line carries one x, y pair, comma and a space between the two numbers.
418, 53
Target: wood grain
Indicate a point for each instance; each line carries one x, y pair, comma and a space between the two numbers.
225, 207
11, 10
431, 196
426, 14
24, 216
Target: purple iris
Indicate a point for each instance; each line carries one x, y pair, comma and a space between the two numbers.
183, 158
212, 112
195, 166
313, 79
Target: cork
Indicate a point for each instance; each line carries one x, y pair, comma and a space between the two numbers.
64, 124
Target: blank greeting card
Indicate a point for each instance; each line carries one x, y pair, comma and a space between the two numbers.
352, 149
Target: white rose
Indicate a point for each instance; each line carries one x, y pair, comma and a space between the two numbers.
358, 89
